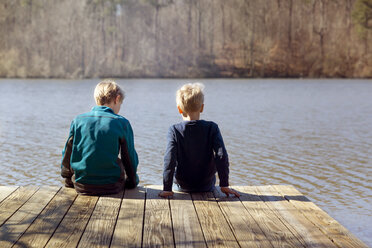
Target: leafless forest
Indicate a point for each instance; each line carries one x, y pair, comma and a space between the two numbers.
185, 38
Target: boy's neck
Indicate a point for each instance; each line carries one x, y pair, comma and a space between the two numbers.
191, 116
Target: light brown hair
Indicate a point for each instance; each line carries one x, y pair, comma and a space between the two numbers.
190, 97
106, 92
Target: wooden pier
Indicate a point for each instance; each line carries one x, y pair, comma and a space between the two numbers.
264, 216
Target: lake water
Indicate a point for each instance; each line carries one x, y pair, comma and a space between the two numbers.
313, 134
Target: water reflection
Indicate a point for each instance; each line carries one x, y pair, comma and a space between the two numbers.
313, 134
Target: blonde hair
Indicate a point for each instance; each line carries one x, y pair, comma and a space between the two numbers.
190, 97
106, 92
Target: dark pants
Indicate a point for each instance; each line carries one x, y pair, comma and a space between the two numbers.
208, 188
92, 189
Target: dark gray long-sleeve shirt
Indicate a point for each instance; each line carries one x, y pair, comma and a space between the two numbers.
195, 151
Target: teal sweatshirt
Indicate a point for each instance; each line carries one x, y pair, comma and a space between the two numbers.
97, 137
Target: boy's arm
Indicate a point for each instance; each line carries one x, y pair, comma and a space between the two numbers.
228, 191
170, 161
221, 158
129, 157
66, 171
222, 163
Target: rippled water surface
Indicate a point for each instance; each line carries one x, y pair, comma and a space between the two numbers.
313, 134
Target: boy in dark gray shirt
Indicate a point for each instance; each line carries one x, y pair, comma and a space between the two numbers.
195, 149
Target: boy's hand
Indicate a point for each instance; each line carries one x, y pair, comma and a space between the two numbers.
165, 194
228, 191
129, 184
69, 183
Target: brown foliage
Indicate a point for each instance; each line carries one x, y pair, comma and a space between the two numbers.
165, 38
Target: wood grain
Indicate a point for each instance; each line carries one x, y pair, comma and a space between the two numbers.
5, 191
17, 224
73, 224
186, 227
244, 226
157, 230
264, 216
329, 226
100, 228
304, 230
14, 201
216, 230
38, 234
128, 231
275, 231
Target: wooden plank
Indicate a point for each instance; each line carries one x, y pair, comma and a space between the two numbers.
100, 228
73, 224
216, 230
38, 234
186, 227
303, 229
334, 230
17, 224
285, 219
273, 228
128, 230
244, 226
5, 191
14, 201
157, 230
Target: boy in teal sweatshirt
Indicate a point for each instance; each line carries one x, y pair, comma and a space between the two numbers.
90, 160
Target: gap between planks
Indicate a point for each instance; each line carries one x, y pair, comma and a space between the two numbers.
265, 216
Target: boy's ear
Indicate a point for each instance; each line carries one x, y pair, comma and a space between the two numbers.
202, 108
179, 109
117, 99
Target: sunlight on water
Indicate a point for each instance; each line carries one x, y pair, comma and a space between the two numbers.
313, 134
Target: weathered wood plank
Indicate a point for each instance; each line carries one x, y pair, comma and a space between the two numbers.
157, 230
17, 224
216, 230
304, 230
244, 226
128, 230
73, 224
278, 216
334, 230
100, 228
5, 191
14, 201
40, 231
186, 227
273, 228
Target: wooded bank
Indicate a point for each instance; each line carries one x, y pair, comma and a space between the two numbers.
193, 38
